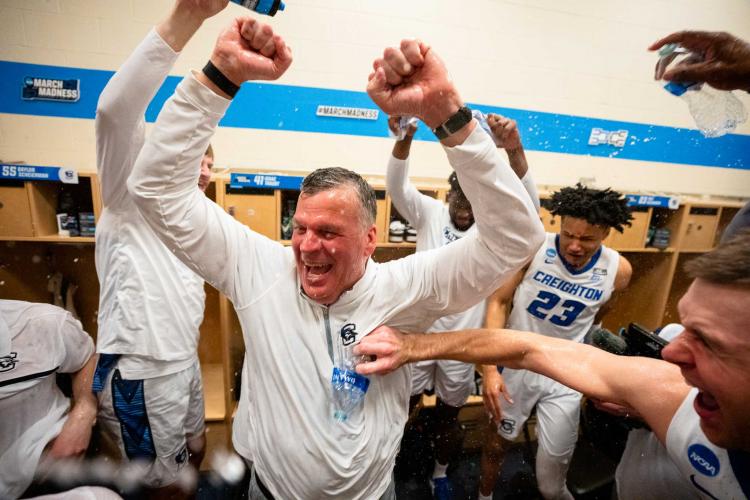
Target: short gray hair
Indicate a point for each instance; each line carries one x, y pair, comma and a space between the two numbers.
324, 179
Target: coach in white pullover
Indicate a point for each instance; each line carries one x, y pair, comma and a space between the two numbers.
300, 307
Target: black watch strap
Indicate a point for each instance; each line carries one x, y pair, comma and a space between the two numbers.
453, 124
219, 79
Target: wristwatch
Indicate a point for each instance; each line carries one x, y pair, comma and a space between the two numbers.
453, 124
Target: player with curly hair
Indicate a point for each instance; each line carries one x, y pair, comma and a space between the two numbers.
560, 294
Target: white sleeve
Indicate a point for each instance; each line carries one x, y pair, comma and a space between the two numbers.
164, 187
120, 124
530, 186
409, 202
451, 278
79, 346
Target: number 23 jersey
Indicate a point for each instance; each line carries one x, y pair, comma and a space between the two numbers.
556, 300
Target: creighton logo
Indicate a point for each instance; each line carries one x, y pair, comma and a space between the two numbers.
348, 334
507, 425
704, 460
7, 363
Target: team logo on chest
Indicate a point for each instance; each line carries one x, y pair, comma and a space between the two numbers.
7, 363
348, 334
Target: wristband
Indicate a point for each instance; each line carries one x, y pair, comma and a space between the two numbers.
219, 79
453, 124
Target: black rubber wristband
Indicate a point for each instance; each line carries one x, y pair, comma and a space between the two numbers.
218, 79
453, 124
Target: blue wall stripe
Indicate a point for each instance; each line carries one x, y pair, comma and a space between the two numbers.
292, 108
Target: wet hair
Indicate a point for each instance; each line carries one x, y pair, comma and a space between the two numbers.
455, 186
601, 207
209, 151
727, 264
324, 179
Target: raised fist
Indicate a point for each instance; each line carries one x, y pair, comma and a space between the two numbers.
249, 50
412, 80
505, 131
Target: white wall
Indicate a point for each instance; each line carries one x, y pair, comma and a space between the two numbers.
584, 58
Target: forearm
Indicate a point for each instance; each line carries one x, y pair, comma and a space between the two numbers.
583, 368
496, 318
509, 226
84, 402
179, 26
517, 160
404, 196
402, 147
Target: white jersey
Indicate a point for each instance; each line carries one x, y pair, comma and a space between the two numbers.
431, 219
44, 340
150, 304
714, 473
646, 472
284, 423
558, 301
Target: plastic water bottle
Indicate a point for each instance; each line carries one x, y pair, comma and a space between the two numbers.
716, 112
267, 7
403, 125
348, 389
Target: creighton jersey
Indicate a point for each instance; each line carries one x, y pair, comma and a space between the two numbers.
556, 300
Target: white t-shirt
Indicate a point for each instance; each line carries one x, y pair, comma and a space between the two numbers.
713, 472
150, 304
558, 301
44, 340
284, 423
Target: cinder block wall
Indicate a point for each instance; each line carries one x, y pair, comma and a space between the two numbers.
585, 58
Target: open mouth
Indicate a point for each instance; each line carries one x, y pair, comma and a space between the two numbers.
706, 406
314, 271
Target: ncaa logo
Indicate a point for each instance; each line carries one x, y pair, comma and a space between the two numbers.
704, 460
550, 253
28, 81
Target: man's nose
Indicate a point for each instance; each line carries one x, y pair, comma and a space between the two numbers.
310, 242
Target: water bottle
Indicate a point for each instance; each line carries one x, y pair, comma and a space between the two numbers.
348, 389
267, 7
403, 125
716, 112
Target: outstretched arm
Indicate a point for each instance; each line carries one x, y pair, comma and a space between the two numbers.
498, 310
120, 126
625, 380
